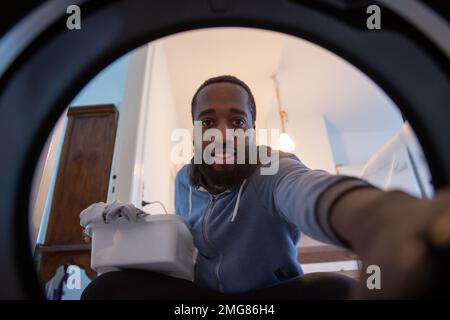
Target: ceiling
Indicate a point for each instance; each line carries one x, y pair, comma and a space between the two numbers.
312, 79
249, 54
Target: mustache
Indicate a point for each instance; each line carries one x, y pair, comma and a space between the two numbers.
223, 150
226, 178
227, 156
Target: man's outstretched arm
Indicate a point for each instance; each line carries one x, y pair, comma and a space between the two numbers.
393, 231
388, 229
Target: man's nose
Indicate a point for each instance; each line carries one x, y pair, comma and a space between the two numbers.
224, 127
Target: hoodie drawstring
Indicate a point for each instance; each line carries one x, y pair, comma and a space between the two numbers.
190, 200
236, 206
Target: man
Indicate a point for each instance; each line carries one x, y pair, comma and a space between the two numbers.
246, 224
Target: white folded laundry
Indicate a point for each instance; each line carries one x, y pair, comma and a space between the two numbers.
94, 213
118, 209
101, 212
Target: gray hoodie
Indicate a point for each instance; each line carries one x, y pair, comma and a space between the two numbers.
246, 236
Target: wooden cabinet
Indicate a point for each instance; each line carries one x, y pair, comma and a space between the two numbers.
83, 178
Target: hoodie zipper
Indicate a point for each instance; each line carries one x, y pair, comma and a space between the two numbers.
205, 224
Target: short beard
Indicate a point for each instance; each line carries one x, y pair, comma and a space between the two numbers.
231, 176
226, 178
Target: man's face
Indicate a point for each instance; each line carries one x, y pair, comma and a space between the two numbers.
224, 106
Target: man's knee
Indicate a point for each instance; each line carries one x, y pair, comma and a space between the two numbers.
102, 287
329, 285
310, 286
137, 284
125, 284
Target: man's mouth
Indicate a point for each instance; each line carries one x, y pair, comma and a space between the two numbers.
227, 156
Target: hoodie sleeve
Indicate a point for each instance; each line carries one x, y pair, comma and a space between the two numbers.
298, 191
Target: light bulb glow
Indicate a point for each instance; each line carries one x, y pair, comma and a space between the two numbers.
286, 143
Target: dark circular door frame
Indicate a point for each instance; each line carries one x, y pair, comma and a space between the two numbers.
46, 66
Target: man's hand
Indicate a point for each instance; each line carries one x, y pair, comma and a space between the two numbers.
100, 212
398, 233
87, 239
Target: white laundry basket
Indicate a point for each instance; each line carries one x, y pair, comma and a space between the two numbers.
161, 243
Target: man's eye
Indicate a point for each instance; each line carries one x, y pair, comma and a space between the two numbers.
207, 123
238, 123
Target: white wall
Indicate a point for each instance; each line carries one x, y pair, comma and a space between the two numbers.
128, 133
355, 148
142, 157
318, 81
309, 132
43, 181
158, 169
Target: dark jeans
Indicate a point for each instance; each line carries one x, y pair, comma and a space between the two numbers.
135, 284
